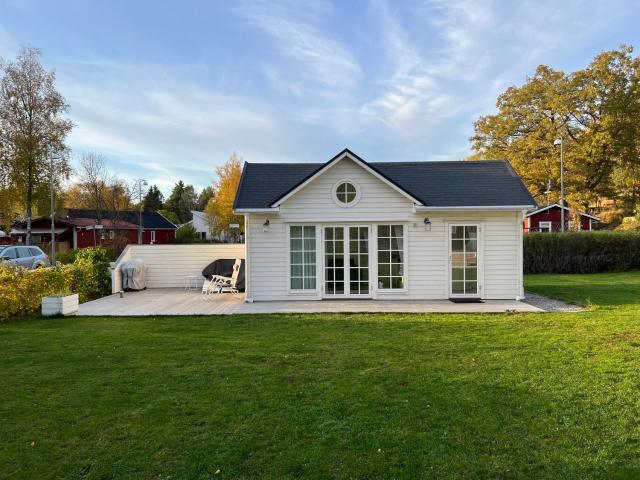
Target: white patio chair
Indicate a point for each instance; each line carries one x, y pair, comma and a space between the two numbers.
220, 284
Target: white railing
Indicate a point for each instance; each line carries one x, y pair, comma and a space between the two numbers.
169, 265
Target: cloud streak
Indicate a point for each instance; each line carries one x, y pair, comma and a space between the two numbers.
283, 80
319, 59
166, 126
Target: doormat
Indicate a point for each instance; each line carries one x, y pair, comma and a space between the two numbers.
465, 300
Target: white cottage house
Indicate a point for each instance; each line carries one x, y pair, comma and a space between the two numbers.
395, 230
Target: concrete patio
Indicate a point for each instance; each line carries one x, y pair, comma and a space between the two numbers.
177, 301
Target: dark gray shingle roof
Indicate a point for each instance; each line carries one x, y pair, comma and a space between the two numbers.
150, 220
490, 183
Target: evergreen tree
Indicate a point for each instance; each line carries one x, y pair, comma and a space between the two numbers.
181, 201
153, 200
205, 195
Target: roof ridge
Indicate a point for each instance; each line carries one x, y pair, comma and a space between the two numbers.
401, 162
431, 162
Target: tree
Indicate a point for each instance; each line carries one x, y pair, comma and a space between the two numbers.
117, 199
594, 110
75, 197
186, 234
219, 210
169, 215
181, 201
153, 200
9, 204
32, 129
206, 194
93, 182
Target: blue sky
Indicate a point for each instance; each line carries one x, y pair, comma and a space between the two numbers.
168, 90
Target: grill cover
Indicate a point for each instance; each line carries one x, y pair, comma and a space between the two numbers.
134, 274
224, 268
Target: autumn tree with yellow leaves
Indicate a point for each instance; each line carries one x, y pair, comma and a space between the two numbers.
219, 209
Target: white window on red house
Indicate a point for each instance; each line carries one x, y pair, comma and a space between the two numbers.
153, 236
544, 226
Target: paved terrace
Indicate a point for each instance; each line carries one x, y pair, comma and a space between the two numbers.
177, 301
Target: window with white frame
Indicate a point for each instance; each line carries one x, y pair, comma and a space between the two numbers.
544, 226
346, 193
391, 257
153, 235
302, 257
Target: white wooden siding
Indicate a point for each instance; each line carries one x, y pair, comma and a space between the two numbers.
428, 251
169, 265
378, 202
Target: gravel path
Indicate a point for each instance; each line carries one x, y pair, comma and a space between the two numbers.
550, 304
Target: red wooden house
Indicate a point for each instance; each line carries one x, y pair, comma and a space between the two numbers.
80, 228
549, 219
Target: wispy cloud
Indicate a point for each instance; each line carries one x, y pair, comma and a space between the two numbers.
411, 100
283, 80
319, 59
166, 126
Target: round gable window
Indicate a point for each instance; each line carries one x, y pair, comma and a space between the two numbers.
346, 193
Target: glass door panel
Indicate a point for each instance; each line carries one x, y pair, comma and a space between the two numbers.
346, 261
464, 259
334, 260
359, 260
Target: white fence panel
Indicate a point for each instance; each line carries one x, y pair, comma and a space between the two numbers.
169, 265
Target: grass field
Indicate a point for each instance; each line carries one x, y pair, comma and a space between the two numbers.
330, 396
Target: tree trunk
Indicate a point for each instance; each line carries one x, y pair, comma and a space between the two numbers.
29, 202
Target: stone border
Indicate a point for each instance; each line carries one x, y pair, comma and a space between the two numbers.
550, 304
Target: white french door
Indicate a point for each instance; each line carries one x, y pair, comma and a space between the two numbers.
463, 260
346, 261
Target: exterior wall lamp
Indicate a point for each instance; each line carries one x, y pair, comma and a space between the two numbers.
427, 224
265, 225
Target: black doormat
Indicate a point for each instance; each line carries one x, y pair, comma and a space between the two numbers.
465, 300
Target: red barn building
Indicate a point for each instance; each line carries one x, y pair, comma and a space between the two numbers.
549, 219
80, 229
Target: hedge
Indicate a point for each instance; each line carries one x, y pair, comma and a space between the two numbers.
21, 290
581, 252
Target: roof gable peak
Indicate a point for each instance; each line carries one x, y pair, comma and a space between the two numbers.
344, 154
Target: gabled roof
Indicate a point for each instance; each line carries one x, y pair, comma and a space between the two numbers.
555, 205
150, 220
199, 214
346, 154
456, 184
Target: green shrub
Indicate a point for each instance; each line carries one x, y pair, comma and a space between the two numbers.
92, 272
186, 234
21, 290
629, 223
66, 257
581, 252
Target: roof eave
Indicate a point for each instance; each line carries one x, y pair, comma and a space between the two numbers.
241, 211
427, 208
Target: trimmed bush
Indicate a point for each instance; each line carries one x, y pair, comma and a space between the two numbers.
21, 290
581, 252
186, 234
93, 279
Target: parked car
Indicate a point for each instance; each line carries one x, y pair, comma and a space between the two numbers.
24, 256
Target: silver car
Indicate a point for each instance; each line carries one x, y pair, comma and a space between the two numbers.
24, 256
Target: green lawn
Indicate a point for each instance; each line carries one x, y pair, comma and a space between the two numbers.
330, 396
